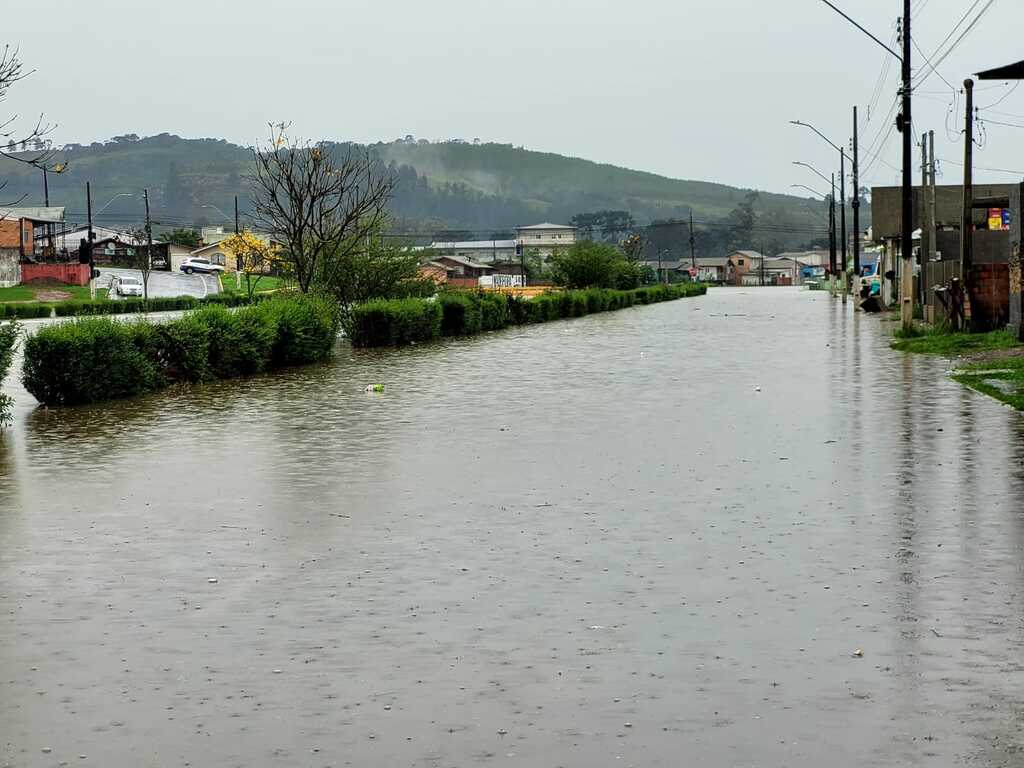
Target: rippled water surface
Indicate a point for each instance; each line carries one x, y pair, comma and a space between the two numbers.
589, 543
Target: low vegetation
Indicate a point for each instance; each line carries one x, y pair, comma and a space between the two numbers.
1001, 378
941, 341
9, 333
404, 321
92, 359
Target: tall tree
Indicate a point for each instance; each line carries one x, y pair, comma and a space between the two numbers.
321, 202
12, 72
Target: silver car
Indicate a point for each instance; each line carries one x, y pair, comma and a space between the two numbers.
203, 266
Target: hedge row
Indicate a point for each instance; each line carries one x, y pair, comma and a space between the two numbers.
9, 333
118, 307
405, 321
98, 358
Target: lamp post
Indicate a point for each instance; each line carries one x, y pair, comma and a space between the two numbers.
111, 200
831, 226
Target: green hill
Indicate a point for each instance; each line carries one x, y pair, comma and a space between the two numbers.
476, 188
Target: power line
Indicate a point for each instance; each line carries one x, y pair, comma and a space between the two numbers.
957, 42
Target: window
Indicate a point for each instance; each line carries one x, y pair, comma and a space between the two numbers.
218, 258
740, 262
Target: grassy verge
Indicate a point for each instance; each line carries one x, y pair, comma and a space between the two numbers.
937, 341
1002, 379
265, 284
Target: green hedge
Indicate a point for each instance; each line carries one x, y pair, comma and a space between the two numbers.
99, 358
462, 313
394, 322
9, 333
117, 306
25, 311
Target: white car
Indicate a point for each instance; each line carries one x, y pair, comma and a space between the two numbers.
127, 286
204, 266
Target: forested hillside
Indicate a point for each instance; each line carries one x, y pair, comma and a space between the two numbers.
477, 190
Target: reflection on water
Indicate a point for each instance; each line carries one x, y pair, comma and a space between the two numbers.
685, 517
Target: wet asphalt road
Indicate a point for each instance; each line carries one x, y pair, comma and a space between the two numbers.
164, 284
587, 543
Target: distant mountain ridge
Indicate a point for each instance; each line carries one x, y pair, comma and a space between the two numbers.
472, 187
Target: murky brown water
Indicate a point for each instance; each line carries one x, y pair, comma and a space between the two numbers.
588, 543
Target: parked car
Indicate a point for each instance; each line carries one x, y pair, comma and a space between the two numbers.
205, 266
127, 286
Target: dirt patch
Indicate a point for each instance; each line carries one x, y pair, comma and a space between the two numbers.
52, 295
994, 354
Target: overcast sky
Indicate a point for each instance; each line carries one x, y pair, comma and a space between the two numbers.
686, 88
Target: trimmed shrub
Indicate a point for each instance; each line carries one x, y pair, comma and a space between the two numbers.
9, 333
25, 311
493, 311
91, 359
394, 322
238, 343
305, 329
518, 310
460, 314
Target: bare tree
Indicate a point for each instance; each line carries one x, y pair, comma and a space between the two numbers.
322, 202
12, 71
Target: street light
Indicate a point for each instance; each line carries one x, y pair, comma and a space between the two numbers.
218, 210
814, 192
107, 205
820, 174
842, 192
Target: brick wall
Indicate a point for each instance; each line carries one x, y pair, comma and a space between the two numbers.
990, 299
68, 274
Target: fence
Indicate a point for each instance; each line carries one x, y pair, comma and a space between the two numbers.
501, 281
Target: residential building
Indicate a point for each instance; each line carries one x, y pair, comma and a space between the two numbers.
218, 253
744, 267
459, 267
19, 227
713, 269
547, 238
667, 271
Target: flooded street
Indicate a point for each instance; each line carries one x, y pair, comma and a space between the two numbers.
593, 542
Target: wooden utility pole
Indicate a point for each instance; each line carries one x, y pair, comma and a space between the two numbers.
842, 219
236, 214
90, 236
832, 259
856, 199
933, 225
148, 260
905, 124
693, 248
926, 232
966, 218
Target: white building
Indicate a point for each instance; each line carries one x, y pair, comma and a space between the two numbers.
547, 238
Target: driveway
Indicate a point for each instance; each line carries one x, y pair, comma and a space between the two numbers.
164, 284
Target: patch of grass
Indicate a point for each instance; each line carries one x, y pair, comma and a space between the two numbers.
939, 341
18, 293
266, 283
1001, 378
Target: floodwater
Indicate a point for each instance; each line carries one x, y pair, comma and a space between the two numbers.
589, 543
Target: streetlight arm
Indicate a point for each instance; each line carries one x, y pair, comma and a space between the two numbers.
812, 191
822, 176
119, 194
822, 135
858, 26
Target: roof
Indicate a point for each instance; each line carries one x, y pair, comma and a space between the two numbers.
712, 261
748, 254
545, 225
665, 264
465, 262
1009, 72
779, 265
473, 245
34, 213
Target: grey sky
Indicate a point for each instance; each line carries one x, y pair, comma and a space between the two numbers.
699, 90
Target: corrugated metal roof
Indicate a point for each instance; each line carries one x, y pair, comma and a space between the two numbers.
473, 245
34, 213
545, 225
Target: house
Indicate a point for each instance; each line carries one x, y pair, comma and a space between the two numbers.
743, 268
667, 271
463, 272
20, 243
433, 271
547, 238
217, 253
713, 269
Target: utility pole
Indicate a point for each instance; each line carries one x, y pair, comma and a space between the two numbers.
926, 232
236, 214
693, 249
762, 265
238, 258
46, 201
966, 220
90, 236
933, 238
842, 217
149, 249
905, 124
832, 260
856, 199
